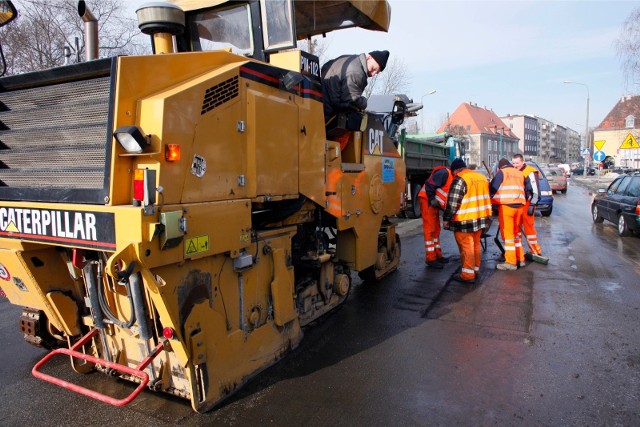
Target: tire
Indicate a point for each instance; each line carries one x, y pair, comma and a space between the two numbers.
564, 191
415, 211
623, 229
595, 215
547, 213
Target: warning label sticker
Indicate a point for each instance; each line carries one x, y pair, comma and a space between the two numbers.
196, 245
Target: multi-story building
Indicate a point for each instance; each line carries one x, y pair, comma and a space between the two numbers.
573, 147
490, 139
525, 127
544, 141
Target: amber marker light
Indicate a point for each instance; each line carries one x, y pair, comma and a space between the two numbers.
172, 152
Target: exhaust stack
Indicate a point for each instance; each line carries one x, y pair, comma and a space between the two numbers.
90, 31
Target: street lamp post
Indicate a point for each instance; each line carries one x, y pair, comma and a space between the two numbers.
586, 127
422, 114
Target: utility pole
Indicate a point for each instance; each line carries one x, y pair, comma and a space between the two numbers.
586, 129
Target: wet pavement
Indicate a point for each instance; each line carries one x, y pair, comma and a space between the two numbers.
544, 345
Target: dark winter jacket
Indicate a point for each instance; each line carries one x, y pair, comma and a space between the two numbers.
343, 82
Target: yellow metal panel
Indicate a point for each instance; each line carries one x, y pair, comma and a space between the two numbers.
282, 290
311, 149
274, 135
226, 225
172, 74
27, 277
66, 310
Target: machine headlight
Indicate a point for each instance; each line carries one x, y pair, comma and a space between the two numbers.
131, 139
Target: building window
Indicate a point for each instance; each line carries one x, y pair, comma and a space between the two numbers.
630, 122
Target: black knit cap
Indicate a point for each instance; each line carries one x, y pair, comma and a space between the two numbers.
503, 163
457, 164
381, 57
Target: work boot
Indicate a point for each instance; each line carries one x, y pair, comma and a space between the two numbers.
506, 267
522, 264
457, 278
434, 264
443, 260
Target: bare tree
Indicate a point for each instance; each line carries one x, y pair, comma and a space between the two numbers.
393, 80
628, 48
37, 39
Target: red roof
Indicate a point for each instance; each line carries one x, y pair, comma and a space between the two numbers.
476, 120
626, 106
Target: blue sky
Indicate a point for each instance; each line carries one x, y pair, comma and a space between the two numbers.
510, 56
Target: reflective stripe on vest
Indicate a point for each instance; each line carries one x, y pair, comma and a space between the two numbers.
475, 204
511, 190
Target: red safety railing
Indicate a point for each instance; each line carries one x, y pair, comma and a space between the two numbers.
138, 371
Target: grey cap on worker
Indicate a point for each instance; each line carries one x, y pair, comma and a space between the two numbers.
457, 164
381, 57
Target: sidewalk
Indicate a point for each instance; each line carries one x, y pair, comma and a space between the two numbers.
593, 183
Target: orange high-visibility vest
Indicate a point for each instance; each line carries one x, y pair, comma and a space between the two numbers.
475, 203
441, 192
511, 190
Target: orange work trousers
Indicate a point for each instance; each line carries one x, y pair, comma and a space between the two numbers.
510, 223
529, 228
470, 253
431, 229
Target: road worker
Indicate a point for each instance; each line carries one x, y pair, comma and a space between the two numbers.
532, 193
344, 80
432, 198
467, 214
507, 191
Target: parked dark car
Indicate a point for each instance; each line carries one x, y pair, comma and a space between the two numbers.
580, 171
620, 204
545, 204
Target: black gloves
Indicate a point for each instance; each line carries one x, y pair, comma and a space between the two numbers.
531, 211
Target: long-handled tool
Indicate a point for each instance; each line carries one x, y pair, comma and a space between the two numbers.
537, 258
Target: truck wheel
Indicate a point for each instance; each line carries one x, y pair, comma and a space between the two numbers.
415, 211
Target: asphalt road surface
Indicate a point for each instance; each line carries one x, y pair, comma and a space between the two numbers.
545, 345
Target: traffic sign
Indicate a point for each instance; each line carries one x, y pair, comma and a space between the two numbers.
598, 156
630, 142
585, 151
599, 144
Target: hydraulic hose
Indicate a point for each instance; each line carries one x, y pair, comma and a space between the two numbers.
106, 310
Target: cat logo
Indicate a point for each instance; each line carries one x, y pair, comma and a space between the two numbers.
375, 141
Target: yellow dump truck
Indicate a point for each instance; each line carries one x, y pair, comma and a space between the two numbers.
176, 219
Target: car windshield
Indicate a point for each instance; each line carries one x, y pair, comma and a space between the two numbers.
553, 172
